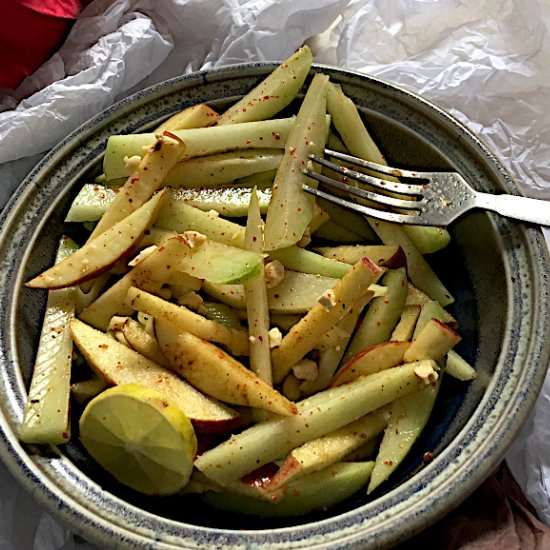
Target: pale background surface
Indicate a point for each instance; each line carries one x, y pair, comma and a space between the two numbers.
485, 61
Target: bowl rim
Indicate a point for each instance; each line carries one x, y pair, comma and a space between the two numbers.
30, 470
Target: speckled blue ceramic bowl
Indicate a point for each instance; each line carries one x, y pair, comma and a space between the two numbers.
496, 268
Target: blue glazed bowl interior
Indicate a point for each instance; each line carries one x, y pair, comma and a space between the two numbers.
492, 298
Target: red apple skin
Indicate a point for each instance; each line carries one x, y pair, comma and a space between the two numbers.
116, 364
386, 354
399, 259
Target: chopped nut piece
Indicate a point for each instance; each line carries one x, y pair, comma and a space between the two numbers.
306, 369
168, 137
142, 255
275, 338
426, 373
379, 290
194, 238
274, 273
328, 300
131, 163
191, 299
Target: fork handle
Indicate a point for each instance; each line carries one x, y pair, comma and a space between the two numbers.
520, 208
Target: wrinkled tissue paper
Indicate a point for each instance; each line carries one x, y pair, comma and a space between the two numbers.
485, 61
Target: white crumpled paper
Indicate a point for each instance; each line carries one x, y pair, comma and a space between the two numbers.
485, 61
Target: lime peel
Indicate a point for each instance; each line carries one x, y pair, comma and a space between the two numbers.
145, 441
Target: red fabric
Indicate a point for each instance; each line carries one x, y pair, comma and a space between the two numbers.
30, 32
65, 9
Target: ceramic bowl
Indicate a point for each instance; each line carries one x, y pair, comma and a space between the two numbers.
496, 268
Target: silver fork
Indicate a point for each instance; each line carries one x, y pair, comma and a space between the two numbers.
437, 199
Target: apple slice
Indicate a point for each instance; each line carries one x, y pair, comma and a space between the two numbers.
319, 415
387, 255
236, 340
432, 309
405, 327
382, 315
101, 253
216, 373
151, 273
324, 451
433, 341
374, 359
117, 364
142, 183
326, 312
143, 342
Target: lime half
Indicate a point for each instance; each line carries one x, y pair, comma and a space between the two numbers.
144, 441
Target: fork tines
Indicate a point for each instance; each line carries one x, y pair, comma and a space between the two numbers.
413, 192
380, 168
379, 183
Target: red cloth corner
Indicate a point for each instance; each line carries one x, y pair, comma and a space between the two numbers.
30, 32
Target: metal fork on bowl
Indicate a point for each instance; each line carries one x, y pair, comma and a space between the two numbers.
437, 198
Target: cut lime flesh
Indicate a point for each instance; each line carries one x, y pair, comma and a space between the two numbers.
144, 441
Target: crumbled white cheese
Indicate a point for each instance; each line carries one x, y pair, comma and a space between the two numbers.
306, 369
194, 238
251, 339
425, 373
275, 338
274, 273
142, 255
328, 300
131, 163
